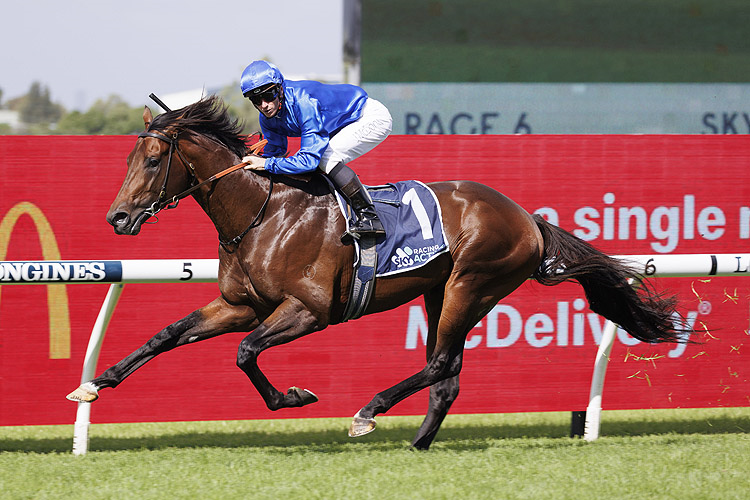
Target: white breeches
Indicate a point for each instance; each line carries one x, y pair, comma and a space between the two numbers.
359, 137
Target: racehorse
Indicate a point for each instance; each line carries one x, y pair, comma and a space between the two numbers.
284, 271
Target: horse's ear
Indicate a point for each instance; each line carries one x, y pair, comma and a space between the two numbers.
147, 117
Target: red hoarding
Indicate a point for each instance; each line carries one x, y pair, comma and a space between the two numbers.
533, 352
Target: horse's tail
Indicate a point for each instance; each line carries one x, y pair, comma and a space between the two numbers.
644, 314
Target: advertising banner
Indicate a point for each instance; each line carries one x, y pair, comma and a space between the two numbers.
534, 351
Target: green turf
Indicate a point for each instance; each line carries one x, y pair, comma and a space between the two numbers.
680, 454
560, 41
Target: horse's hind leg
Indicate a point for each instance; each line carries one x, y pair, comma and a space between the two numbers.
215, 319
445, 362
462, 307
469, 295
443, 393
442, 396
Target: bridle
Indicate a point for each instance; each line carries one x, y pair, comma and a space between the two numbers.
162, 203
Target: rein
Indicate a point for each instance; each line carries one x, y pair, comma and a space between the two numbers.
161, 203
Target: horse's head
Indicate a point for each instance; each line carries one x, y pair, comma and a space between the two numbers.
172, 153
154, 174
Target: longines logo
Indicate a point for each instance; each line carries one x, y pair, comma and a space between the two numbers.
50, 272
57, 295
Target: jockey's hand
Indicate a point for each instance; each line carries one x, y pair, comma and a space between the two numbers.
254, 162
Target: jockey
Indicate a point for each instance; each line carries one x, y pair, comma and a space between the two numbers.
336, 123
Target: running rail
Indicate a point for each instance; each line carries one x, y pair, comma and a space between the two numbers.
673, 266
119, 272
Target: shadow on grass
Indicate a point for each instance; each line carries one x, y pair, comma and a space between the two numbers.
385, 438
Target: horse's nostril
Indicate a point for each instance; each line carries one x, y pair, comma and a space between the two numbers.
119, 219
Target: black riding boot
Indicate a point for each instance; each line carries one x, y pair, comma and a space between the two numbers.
350, 186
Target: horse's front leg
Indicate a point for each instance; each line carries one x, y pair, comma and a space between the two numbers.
290, 321
215, 319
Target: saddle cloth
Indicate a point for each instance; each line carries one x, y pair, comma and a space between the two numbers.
411, 215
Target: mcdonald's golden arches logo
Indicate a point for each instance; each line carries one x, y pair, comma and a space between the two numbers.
57, 295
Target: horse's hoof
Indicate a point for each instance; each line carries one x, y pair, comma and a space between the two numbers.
361, 426
305, 397
86, 393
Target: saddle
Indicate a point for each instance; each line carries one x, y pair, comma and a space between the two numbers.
412, 218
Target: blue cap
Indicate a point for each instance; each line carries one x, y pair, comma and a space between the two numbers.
259, 74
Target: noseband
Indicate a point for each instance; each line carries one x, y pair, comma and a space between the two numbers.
162, 203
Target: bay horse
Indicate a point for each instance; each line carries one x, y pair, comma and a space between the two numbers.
284, 271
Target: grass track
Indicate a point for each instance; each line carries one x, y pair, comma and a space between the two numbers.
681, 454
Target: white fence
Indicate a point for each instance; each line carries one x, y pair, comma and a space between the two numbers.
119, 272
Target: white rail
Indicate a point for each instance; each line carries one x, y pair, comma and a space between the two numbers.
70, 272
685, 265
119, 272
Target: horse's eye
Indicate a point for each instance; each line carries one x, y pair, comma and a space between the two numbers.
152, 162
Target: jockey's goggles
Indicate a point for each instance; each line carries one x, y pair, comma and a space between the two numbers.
267, 95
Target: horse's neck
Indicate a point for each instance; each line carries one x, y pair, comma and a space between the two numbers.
232, 200
255, 199
237, 200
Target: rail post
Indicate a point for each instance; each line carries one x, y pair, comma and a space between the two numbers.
83, 413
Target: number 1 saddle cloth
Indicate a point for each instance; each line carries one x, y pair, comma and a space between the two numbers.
411, 215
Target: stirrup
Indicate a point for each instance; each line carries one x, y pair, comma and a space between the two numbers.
366, 226
348, 237
357, 230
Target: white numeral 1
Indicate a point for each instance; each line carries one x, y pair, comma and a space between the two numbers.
412, 199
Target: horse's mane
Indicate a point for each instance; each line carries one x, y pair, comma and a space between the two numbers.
209, 117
